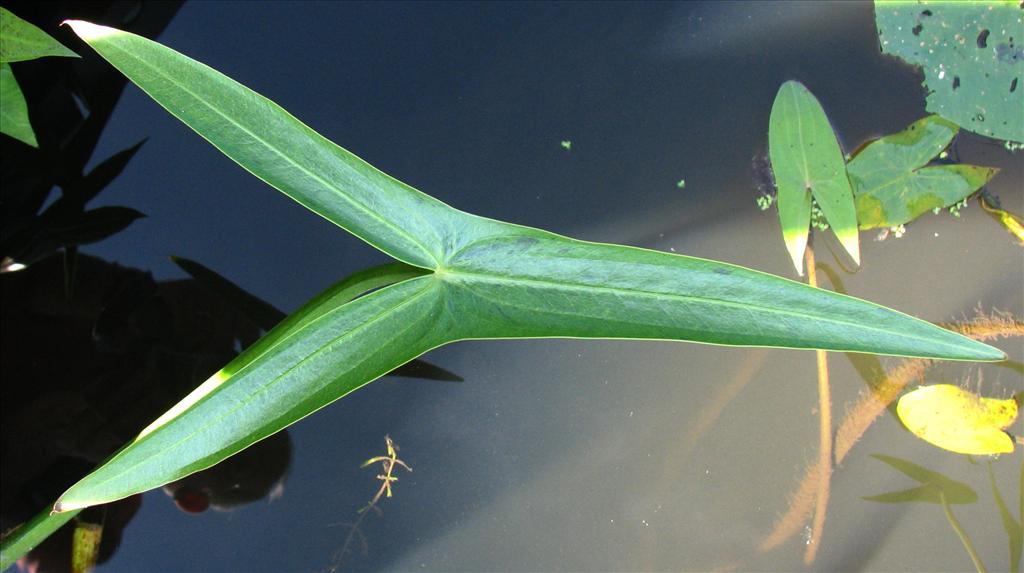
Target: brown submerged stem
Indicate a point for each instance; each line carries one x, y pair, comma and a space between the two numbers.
868, 408
824, 471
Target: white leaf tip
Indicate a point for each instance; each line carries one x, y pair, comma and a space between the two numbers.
89, 31
851, 243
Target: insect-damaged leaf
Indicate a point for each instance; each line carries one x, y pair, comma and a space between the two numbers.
972, 56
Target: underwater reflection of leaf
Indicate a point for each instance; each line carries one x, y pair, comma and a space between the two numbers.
1012, 527
934, 485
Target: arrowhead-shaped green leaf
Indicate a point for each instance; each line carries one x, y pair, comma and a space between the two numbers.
894, 184
807, 161
481, 279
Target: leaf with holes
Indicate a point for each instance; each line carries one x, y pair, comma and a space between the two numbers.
972, 56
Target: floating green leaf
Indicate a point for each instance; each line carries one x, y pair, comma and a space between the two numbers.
13, 109
481, 279
807, 161
954, 419
20, 40
972, 55
894, 184
934, 486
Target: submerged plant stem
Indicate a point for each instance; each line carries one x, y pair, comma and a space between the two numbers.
978, 565
824, 472
872, 404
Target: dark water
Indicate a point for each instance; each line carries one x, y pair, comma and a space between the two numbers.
564, 455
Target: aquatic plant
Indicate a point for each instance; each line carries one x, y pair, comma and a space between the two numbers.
479, 278
355, 534
887, 182
473, 278
21, 41
971, 56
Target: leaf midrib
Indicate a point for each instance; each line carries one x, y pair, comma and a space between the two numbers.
265, 387
624, 292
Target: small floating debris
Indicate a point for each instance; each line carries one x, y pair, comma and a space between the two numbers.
566, 145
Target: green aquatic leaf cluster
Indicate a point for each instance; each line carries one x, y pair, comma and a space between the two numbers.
972, 56
21, 41
889, 182
475, 278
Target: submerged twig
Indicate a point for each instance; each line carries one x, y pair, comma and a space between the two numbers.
355, 534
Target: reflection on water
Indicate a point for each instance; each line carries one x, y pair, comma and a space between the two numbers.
85, 372
554, 455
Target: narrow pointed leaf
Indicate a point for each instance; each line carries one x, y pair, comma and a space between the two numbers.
21, 40
259, 311
29, 535
1011, 525
923, 493
531, 283
933, 484
266, 316
807, 161
489, 280
104, 173
264, 139
893, 183
13, 109
315, 364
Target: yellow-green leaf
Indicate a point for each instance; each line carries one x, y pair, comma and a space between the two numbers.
894, 184
954, 419
85, 547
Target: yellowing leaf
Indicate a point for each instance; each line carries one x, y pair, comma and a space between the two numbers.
957, 420
894, 184
85, 547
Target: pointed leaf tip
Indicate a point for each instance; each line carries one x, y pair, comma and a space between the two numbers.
89, 31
